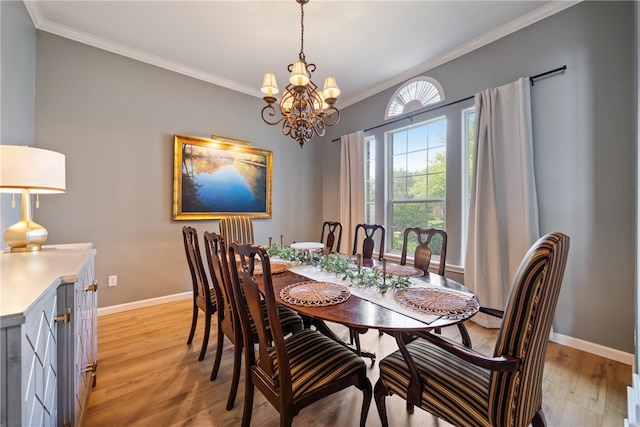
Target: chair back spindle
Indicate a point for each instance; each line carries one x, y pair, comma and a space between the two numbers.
333, 230
368, 244
428, 241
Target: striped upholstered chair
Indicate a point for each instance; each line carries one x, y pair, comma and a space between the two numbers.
467, 388
293, 372
236, 228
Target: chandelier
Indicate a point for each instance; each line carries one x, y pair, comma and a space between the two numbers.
303, 109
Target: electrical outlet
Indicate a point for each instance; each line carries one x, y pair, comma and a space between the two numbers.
113, 280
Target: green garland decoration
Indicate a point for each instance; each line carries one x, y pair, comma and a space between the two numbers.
345, 269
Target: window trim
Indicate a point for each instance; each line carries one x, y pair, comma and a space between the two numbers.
452, 112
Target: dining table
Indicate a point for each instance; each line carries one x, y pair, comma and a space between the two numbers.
440, 302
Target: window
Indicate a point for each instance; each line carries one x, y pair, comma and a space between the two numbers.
418, 173
469, 132
417, 187
370, 180
414, 95
468, 138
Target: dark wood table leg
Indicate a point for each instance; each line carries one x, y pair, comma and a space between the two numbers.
324, 329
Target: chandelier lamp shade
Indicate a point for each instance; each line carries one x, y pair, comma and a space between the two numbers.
303, 110
29, 170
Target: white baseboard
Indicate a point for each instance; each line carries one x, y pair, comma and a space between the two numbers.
597, 349
144, 303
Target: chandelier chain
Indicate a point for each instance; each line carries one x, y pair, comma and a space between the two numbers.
302, 56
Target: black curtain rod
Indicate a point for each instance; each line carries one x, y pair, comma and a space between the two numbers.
531, 79
556, 70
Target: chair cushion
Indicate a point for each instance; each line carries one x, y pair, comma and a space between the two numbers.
316, 360
458, 390
290, 320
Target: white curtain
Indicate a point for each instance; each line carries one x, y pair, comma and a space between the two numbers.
503, 213
352, 198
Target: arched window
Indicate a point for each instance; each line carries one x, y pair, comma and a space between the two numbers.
415, 94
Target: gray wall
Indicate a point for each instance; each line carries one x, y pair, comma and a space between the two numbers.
17, 86
114, 118
584, 137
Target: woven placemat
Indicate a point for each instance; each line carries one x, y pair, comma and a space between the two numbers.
402, 270
437, 301
315, 294
276, 267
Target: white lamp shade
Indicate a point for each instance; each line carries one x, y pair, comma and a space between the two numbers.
269, 84
330, 89
299, 74
34, 169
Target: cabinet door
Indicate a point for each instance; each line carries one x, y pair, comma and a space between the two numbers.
39, 362
85, 357
77, 347
65, 355
85, 347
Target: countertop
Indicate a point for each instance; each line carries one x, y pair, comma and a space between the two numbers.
25, 276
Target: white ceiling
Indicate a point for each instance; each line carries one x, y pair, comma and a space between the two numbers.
368, 46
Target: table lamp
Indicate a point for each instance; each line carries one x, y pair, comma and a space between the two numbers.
29, 170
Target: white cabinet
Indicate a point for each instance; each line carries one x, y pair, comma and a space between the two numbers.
48, 335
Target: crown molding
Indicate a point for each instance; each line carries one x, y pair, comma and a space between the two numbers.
63, 31
494, 34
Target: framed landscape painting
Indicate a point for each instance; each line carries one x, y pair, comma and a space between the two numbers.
213, 178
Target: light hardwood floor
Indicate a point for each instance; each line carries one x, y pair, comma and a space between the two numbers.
148, 375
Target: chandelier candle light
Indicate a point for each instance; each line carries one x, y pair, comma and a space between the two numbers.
303, 110
29, 170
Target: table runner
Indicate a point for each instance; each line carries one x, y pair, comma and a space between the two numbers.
387, 300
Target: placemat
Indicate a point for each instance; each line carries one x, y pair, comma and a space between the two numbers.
442, 302
315, 294
276, 267
402, 270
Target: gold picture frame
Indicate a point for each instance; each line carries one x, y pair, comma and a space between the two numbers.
214, 178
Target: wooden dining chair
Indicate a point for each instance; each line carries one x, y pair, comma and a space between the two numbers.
428, 241
464, 387
368, 244
204, 297
333, 230
236, 228
291, 372
228, 318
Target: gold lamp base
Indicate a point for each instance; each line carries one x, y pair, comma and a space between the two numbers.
25, 235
